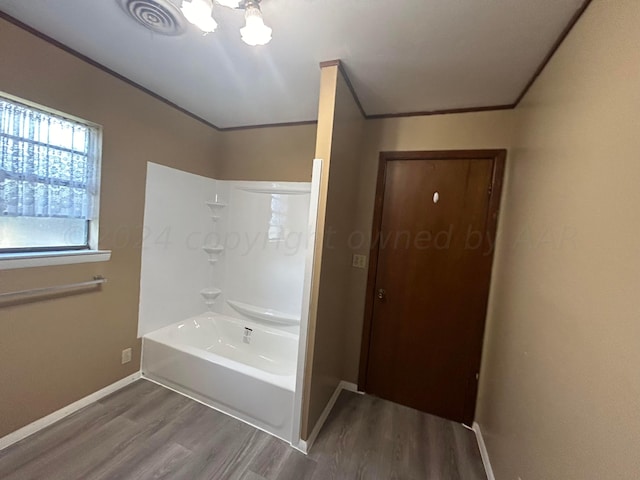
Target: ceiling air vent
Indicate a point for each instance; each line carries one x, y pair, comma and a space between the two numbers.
159, 16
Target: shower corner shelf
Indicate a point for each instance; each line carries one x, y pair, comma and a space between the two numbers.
210, 295
214, 208
264, 314
213, 248
213, 251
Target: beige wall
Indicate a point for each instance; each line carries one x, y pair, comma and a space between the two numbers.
339, 142
559, 384
276, 153
560, 388
440, 132
56, 351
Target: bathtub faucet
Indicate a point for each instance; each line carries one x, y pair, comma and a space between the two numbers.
247, 335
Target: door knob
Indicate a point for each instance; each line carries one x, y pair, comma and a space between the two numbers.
382, 293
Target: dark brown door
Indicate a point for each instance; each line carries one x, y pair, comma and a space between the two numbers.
430, 281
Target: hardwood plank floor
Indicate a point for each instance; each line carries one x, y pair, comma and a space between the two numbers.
145, 431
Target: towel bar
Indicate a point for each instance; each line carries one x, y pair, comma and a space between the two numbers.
97, 280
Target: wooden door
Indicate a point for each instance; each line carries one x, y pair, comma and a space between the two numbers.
429, 278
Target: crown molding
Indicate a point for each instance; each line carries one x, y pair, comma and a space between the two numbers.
329, 63
269, 125
554, 48
99, 66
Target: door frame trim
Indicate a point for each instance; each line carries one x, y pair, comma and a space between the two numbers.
498, 156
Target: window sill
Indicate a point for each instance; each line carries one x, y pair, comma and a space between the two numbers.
9, 261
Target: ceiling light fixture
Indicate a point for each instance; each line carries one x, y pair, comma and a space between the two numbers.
199, 13
254, 33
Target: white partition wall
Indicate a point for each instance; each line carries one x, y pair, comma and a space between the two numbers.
243, 244
174, 267
266, 243
316, 179
231, 262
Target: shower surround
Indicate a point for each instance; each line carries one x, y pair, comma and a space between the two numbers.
221, 292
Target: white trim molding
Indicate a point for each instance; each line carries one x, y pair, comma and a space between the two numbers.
483, 451
52, 418
314, 198
9, 261
305, 445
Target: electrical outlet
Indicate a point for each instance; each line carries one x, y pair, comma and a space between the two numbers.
359, 261
126, 355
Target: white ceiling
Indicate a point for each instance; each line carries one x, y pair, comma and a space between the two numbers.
401, 55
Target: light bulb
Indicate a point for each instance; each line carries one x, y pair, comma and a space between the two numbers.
255, 32
198, 12
229, 3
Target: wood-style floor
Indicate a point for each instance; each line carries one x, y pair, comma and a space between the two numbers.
147, 432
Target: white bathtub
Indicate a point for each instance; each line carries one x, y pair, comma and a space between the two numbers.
239, 367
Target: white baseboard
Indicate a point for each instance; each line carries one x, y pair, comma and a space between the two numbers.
483, 452
44, 422
305, 445
350, 387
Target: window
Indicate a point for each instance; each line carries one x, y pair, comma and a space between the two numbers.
49, 179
